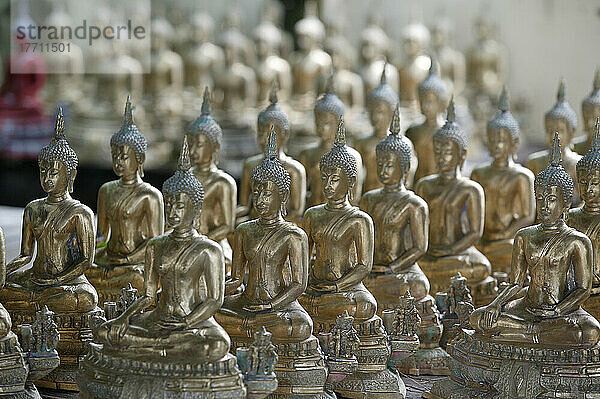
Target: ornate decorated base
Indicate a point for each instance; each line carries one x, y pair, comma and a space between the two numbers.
484, 369
300, 369
107, 375
75, 332
372, 378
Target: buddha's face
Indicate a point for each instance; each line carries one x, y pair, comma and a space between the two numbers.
589, 186
565, 134
448, 156
266, 198
500, 144
389, 169
380, 114
262, 131
326, 124
179, 210
201, 151
590, 113
53, 177
334, 182
124, 162
430, 103
550, 204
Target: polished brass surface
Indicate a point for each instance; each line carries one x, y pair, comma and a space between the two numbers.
456, 211
586, 218
62, 231
381, 103
274, 116
341, 236
144, 345
130, 212
508, 189
328, 110
273, 254
217, 219
560, 118
433, 99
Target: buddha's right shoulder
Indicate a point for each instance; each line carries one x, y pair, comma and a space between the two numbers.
537, 157
152, 191
481, 168
525, 232
36, 203
108, 185
158, 240
252, 161
426, 182
313, 210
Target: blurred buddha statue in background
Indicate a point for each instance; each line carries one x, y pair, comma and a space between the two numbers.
590, 110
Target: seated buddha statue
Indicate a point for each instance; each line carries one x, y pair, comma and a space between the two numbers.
274, 116
590, 110
62, 232
341, 237
453, 67
270, 67
413, 68
273, 254
401, 221
190, 269
328, 110
433, 99
130, 213
560, 118
586, 218
204, 136
381, 103
456, 209
558, 259
508, 189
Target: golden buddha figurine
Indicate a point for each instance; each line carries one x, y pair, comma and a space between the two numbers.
456, 209
374, 48
203, 57
349, 85
171, 343
204, 136
381, 103
341, 236
452, 62
590, 109
433, 99
328, 110
521, 338
62, 231
558, 259
130, 213
413, 68
274, 255
586, 218
562, 119
508, 188
273, 115
401, 221
310, 64
270, 67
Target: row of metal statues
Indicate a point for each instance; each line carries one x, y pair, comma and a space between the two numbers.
342, 291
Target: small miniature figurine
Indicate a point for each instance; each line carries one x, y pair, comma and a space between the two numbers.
258, 362
590, 109
534, 341
342, 237
562, 119
274, 116
456, 211
450, 304
217, 221
381, 104
406, 320
62, 231
508, 188
433, 100
328, 110
130, 213
271, 256
586, 218
139, 345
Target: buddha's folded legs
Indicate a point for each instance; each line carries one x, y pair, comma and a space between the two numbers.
358, 301
291, 324
471, 263
387, 288
109, 281
77, 295
517, 324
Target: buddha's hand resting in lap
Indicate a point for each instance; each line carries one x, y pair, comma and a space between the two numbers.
116, 329
544, 312
258, 308
325, 287
490, 316
44, 281
440, 251
171, 325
